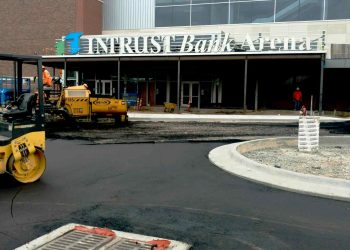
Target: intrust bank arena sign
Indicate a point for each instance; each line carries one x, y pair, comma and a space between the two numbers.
222, 43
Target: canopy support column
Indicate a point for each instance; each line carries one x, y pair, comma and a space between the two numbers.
65, 74
256, 95
118, 91
178, 84
245, 85
321, 87
19, 77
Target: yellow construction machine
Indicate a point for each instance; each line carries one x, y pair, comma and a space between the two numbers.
22, 128
76, 102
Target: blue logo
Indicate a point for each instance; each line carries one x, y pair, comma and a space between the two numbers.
74, 37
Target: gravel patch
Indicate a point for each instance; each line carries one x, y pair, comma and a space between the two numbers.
331, 160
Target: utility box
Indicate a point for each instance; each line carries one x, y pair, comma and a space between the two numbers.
309, 133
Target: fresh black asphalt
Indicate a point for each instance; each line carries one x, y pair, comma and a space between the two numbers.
168, 190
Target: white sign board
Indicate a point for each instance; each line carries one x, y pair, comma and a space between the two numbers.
308, 135
186, 43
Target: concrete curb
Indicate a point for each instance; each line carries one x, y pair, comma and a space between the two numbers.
228, 158
139, 116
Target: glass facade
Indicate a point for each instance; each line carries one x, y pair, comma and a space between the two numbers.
204, 14
298, 10
337, 9
173, 16
209, 12
252, 12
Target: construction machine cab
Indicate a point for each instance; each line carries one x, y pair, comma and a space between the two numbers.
22, 134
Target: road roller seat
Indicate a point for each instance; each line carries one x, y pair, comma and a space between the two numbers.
23, 107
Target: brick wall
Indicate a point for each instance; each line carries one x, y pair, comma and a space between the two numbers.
32, 26
89, 17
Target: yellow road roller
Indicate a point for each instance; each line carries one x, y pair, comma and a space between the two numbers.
22, 125
77, 102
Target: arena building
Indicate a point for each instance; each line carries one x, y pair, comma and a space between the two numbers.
229, 54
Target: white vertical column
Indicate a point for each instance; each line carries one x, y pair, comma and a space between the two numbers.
178, 84
220, 92
213, 92
245, 85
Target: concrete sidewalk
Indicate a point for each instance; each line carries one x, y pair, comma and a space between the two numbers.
166, 117
230, 159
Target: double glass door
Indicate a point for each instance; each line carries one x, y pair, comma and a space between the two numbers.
103, 87
190, 94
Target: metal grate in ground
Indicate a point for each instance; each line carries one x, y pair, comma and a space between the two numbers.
126, 244
80, 237
77, 240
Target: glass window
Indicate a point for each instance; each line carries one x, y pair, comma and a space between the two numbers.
71, 73
299, 10
173, 16
186, 89
76, 93
287, 10
252, 12
209, 14
311, 10
171, 2
208, 1
164, 2
164, 16
88, 75
181, 16
108, 88
337, 9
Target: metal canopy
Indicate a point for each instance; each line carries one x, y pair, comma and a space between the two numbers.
23, 58
77, 62
58, 61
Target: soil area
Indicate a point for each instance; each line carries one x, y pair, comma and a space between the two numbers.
145, 132
330, 160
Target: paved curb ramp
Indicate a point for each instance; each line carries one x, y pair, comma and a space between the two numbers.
230, 159
75, 236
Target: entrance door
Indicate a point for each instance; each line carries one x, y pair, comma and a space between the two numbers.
103, 87
190, 94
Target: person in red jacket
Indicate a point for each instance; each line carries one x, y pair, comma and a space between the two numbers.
297, 99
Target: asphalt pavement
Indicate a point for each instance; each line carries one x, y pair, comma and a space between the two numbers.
137, 179
170, 190
145, 127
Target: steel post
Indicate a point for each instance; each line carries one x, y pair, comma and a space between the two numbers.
19, 77
118, 91
321, 87
245, 85
256, 95
178, 84
65, 74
